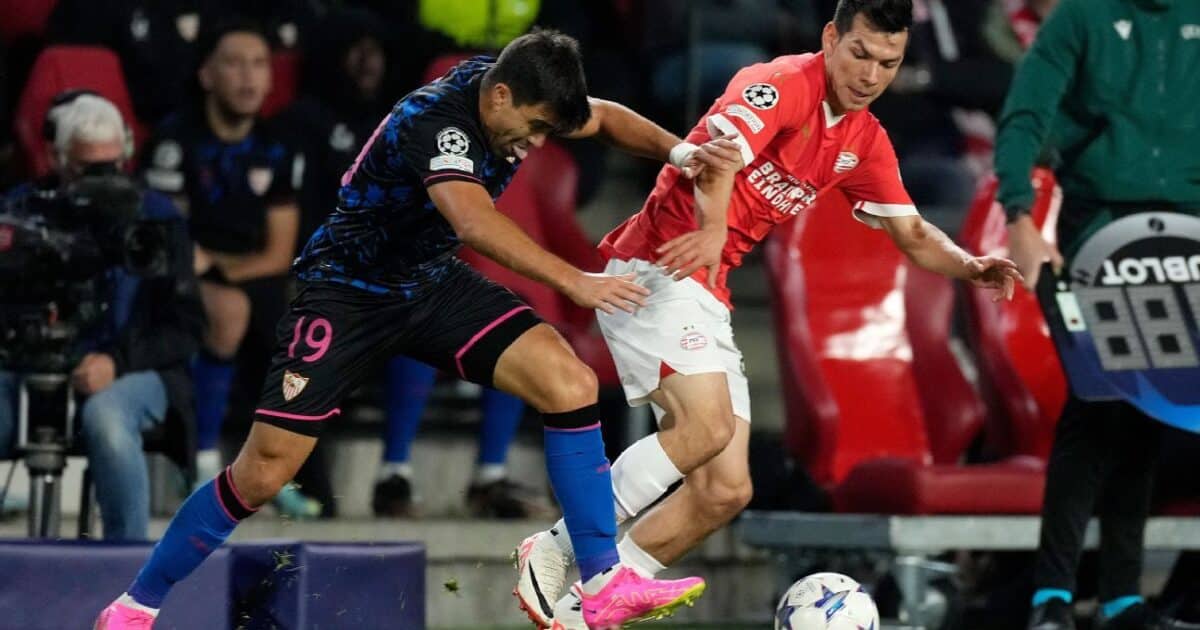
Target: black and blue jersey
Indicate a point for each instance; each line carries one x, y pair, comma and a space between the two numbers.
228, 187
386, 236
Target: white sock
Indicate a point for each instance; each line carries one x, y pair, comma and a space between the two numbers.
641, 475
638, 559
489, 473
394, 469
129, 602
597, 582
208, 465
563, 539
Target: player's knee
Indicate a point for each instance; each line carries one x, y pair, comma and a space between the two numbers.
726, 498
259, 475
570, 384
714, 431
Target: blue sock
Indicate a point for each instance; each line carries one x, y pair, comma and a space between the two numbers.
201, 525
502, 415
580, 476
212, 378
409, 384
1114, 607
1044, 595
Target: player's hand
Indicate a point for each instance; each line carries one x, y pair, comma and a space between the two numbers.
1029, 250
993, 272
607, 293
95, 372
683, 255
720, 153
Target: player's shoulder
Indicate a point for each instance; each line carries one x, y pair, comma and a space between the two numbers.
783, 70
782, 79
447, 97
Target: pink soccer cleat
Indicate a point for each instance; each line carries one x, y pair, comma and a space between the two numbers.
124, 616
630, 598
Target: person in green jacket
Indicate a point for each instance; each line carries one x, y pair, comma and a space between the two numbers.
1111, 88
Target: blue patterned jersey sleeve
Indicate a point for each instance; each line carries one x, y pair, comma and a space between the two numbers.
441, 147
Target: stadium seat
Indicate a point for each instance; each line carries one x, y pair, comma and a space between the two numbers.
60, 68
285, 77
1019, 369
541, 199
24, 19
877, 405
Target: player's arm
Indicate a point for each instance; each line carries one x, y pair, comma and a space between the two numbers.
931, 249
629, 131
470, 211
684, 255
283, 222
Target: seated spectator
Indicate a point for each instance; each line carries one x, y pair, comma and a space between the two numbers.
235, 178
131, 368
329, 126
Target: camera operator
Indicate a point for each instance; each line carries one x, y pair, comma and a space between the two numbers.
130, 363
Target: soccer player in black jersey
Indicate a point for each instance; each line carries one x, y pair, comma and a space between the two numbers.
380, 278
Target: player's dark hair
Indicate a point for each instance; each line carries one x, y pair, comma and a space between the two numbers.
545, 67
889, 16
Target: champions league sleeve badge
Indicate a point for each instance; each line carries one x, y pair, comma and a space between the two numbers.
1125, 318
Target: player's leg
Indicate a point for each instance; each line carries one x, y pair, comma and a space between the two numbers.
543, 370
326, 343
711, 495
228, 312
270, 457
409, 385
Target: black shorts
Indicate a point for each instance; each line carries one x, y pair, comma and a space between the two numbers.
334, 334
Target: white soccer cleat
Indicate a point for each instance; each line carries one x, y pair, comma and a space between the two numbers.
541, 575
568, 613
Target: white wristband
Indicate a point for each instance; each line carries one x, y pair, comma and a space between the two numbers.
680, 153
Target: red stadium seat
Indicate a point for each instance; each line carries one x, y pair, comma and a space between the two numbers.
24, 19
285, 77
541, 199
60, 68
441, 65
1022, 377
877, 406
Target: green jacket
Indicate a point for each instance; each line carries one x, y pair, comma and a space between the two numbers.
1114, 87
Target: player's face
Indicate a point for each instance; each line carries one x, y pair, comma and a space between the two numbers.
860, 63
238, 74
513, 130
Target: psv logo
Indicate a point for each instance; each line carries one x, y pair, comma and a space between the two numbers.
293, 384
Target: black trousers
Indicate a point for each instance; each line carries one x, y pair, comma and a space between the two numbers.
1102, 463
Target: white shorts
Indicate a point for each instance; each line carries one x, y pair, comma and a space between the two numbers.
683, 326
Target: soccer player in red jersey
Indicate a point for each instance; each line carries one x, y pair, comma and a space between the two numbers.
803, 128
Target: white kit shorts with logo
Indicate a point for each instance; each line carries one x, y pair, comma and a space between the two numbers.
681, 325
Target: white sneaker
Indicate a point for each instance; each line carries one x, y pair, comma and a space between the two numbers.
541, 576
568, 613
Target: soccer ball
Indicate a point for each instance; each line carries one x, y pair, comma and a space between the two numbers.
826, 601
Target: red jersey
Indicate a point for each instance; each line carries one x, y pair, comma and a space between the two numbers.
795, 150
